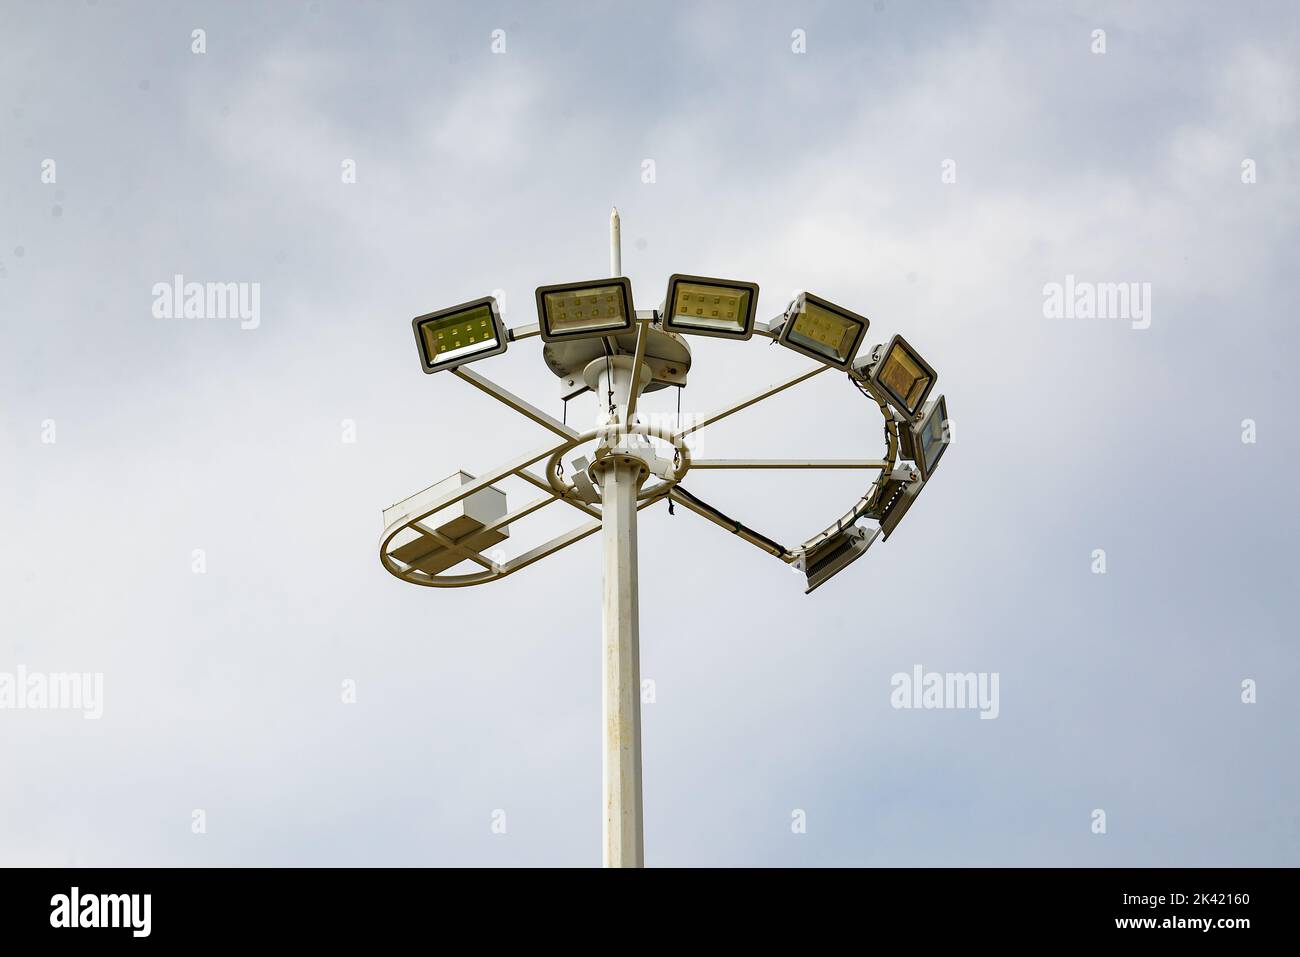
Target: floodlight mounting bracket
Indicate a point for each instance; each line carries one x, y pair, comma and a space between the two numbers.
611, 442
667, 356
596, 368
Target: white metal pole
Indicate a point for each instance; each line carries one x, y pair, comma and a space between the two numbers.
623, 841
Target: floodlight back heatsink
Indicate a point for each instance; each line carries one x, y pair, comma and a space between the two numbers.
827, 559
896, 496
898, 507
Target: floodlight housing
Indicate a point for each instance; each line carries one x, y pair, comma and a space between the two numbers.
822, 330
928, 439
906, 440
700, 306
585, 310
899, 491
898, 371
898, 507
460, 334
827, 559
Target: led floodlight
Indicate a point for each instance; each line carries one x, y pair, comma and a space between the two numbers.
465, 333
930, 437
827, 559
585, 310
699, 306
901, 374
823, 330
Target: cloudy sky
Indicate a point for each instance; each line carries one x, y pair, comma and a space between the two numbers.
129, 441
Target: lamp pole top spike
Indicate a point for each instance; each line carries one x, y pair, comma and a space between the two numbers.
615, 244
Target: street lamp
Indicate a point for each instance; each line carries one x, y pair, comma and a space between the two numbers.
595, 340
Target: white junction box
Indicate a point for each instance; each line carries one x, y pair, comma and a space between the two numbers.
465, 523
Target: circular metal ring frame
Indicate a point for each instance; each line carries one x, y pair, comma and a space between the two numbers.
612, 433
